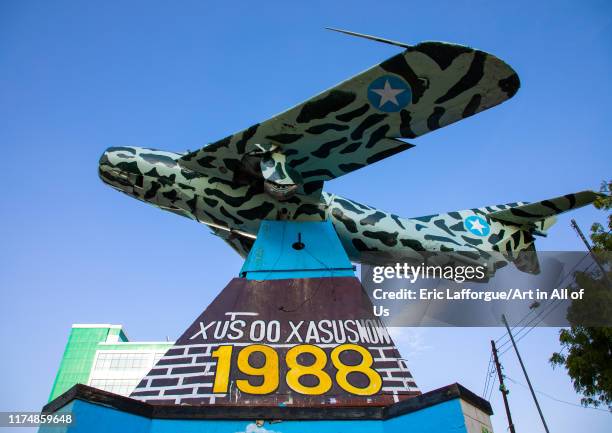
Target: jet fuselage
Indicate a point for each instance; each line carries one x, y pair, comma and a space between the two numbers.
234, 211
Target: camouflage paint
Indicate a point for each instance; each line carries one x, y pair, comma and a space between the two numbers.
275, 170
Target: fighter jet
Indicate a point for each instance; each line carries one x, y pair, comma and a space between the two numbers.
276, 169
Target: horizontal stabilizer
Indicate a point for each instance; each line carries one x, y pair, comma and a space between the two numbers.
534, 212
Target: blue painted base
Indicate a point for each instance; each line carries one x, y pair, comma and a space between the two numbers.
446, 417
292, 249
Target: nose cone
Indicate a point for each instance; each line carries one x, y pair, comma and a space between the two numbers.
115, 166
113, 156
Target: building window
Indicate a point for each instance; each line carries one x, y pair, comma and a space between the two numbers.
116, 386
122, 361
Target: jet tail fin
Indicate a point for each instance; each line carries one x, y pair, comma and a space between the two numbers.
532, 213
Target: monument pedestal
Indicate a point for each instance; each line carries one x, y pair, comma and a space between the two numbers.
452, 409
307, 342
293, 340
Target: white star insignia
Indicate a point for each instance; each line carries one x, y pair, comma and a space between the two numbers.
388, 94
477, 225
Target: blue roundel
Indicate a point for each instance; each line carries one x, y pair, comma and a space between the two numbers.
389, 93
477, 225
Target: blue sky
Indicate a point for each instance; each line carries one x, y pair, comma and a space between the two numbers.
77, 77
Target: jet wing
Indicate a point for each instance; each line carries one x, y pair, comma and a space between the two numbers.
359, 121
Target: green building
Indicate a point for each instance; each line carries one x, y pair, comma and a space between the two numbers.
100, 355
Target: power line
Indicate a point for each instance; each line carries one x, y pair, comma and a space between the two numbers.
515, 326
488, 375
493, 382
556, 399
548, 305
553, 306
520, 336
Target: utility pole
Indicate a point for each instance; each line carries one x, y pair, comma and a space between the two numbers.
581, 235
586, 243
518, 355
502, 387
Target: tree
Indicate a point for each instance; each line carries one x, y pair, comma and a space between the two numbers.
588, 357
